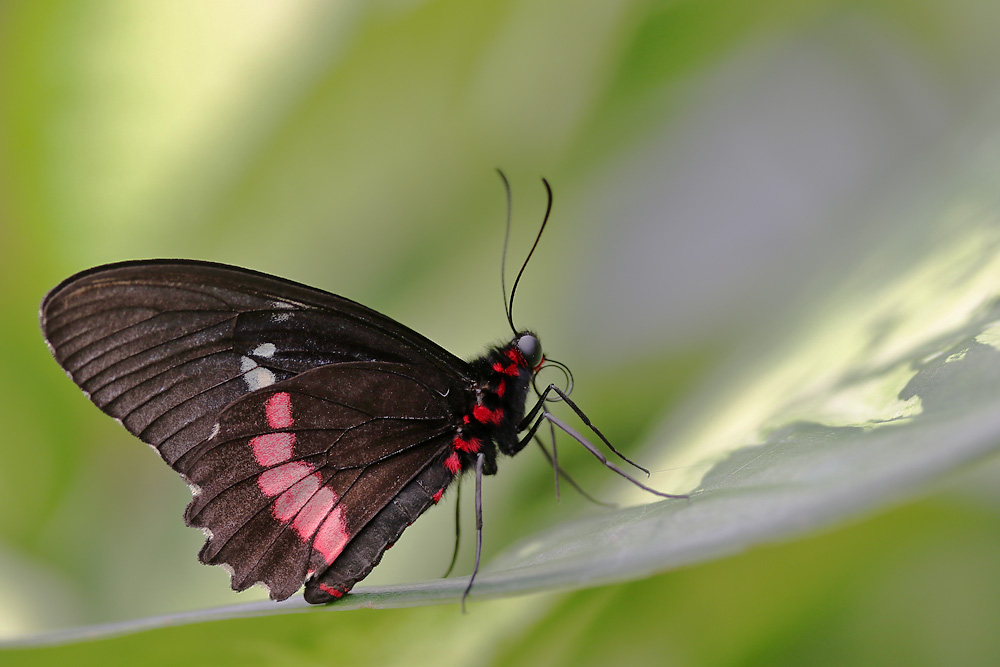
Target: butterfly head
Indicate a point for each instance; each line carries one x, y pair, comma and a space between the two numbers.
526, 353
530, 348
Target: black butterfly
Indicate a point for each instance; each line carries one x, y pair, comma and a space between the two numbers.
312, 430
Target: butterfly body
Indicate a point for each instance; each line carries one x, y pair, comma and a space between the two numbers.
311, 429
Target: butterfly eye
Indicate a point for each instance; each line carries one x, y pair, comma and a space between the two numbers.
530, 347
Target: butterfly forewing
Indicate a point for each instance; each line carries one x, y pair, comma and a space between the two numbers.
165, 345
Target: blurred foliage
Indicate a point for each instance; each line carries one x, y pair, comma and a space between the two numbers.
351, 146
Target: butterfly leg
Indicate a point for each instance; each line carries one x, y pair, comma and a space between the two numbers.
555, 457
539, 406
571, 432
458, 528
565, 475
480, 459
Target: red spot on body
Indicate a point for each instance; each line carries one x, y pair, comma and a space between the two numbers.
453, 464
484, 415
471, 445
271, 449
276, 480
278, 409
437, 496
332, 537
331, 591
516, 357
502, 388
465, 419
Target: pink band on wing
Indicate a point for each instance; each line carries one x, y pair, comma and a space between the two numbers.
286, 507
271, 449
279, 410
308, 520
276, 480
332, 536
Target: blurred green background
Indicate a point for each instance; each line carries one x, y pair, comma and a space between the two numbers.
709, 161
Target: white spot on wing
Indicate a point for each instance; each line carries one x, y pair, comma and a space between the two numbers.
207, 531
259, 377
279, 317
255, 376
215, 431
264, 350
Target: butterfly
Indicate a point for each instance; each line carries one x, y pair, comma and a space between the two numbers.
311, 429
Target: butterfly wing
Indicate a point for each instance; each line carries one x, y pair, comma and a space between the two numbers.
164, 345
307, 425
302, 470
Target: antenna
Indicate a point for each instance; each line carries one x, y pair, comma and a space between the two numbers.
545, 220
503, 257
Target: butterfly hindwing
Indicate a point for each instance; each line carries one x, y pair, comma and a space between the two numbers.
164, 346
365, 550
298, 471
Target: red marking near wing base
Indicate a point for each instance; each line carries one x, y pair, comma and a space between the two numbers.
502, 388
271, 449
278, 409
332, 536
276, 480
516, 357
453, 464
484, 415
288, 504
471, 445
331, 591
437, 496
465, 419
